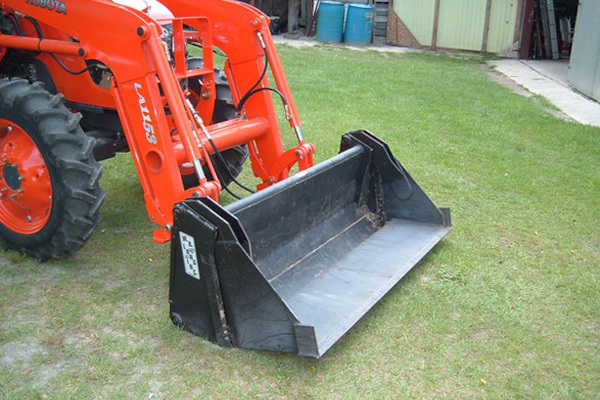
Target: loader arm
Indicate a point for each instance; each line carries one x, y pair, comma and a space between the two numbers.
163, 131
242, 32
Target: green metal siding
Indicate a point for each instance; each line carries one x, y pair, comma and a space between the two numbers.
503, 19
461, 24
417, 15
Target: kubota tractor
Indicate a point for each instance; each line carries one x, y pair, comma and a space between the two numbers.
289, 268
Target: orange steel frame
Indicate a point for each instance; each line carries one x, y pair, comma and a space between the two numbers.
144, 85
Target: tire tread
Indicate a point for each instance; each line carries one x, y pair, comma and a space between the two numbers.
76, 169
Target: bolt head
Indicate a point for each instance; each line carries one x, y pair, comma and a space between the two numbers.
177, 212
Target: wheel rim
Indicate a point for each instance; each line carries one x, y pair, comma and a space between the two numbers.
25, 185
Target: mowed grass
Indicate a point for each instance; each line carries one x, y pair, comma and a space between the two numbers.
506, 306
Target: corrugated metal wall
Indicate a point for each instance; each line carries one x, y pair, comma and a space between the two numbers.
478, 25
418, 17
461, 24
503, 21
584, 65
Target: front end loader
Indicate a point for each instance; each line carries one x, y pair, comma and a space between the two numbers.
292, 266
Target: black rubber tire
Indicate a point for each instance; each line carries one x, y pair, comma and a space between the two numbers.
74, 173
225, 110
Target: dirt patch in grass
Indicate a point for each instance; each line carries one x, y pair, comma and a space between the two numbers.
26, 357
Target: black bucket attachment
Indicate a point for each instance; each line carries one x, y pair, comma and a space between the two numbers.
293, 267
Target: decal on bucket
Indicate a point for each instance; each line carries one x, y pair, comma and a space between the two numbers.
188, 250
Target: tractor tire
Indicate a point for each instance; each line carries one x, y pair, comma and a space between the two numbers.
224, 110
49, 192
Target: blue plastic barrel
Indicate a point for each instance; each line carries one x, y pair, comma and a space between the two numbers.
330, 23
359, 24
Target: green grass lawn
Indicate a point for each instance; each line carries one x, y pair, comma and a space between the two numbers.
506, 306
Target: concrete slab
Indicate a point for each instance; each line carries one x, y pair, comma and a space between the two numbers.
549, 80
557, 70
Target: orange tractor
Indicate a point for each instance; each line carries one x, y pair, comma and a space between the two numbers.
292, 266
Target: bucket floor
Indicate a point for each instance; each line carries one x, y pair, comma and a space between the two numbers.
334, 301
